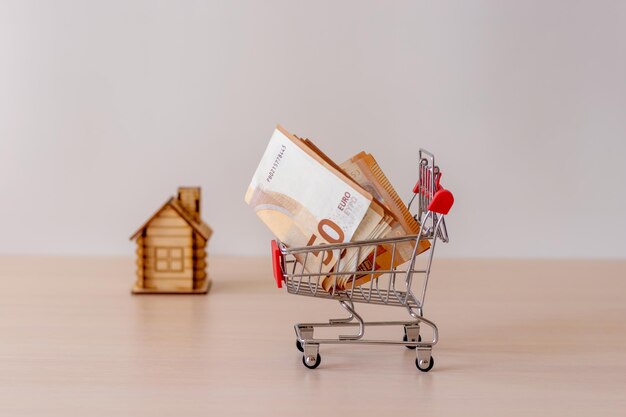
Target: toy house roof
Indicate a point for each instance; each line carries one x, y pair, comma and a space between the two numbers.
200, 227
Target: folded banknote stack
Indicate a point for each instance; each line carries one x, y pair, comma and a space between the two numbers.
306, 200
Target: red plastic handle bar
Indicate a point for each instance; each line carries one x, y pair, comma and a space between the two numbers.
276, 264
424, 189
441, 202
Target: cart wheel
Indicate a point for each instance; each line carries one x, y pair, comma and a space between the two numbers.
299, 346
310, 364
431, 363
406, 339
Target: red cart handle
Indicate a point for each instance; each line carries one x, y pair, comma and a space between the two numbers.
441, 202
424, 189
276, 264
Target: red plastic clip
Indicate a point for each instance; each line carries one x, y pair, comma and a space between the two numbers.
276, 264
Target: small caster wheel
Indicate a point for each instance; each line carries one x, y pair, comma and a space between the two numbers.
299, 346
426, 368
310, 363
406, 339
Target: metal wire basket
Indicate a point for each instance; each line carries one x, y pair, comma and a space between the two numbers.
390, 287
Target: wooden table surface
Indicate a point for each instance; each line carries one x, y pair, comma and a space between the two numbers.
517, 338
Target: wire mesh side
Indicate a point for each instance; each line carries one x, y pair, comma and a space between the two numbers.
374, 285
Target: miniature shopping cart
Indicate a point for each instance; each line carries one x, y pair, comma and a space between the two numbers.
390, 287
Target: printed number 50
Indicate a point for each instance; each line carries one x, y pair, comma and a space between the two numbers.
324, 227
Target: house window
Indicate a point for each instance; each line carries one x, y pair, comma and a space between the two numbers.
168, 259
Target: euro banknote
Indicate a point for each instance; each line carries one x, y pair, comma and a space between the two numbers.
364, 169
306, 201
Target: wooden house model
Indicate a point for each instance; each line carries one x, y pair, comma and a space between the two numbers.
171, 247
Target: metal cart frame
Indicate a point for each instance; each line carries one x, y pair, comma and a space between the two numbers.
392, 287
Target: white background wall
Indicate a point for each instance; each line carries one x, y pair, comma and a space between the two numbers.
107, 106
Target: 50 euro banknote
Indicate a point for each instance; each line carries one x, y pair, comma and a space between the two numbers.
306, 201
364, 169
